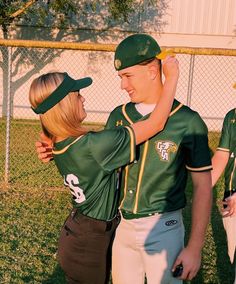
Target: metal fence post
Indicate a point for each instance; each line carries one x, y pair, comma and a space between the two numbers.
190, 80
8, 121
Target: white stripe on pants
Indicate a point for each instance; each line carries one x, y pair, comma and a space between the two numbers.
147, 246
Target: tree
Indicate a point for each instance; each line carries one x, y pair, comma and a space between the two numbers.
59, 20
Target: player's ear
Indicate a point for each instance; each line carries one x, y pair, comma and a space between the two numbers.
153, 71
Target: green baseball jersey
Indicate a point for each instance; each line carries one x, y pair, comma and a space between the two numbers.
228, 143
88, 166
156, 181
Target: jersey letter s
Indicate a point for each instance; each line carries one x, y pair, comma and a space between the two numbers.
73, 182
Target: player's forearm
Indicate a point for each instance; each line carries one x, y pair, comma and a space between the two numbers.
201, 211
163, 108
219, 162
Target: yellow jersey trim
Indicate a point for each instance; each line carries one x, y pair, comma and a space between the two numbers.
58, 152
222, 149
140, 176
126, 115
176, 109
127, 167
199, 169
131, 143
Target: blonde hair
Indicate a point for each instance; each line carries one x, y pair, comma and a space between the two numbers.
63, 120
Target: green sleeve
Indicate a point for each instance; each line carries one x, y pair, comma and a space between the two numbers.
224, 143
113, 148
197, 152
114, 118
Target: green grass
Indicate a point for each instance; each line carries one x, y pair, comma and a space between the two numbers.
34, 206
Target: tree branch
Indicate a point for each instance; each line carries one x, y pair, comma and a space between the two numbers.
21, 10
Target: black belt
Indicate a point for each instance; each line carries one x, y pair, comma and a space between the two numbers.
129, 215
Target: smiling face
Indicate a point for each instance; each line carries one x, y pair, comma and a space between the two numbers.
81, 111
139, 82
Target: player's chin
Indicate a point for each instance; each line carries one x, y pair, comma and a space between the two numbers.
134, 100
83, 116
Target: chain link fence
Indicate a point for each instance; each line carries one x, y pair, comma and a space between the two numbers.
206, 84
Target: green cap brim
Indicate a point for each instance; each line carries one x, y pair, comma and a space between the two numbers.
68, 85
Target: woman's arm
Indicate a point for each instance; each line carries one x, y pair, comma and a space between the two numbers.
219, 162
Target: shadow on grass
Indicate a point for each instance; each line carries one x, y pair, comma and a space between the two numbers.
216, 267
223, 265
57, 277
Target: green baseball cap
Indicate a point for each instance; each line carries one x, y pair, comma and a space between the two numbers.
67, 85
135, 49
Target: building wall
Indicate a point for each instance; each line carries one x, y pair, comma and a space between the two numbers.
200, 23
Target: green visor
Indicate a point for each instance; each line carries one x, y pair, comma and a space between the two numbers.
68, 85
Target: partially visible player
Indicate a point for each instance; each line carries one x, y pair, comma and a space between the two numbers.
87, 161
225, 159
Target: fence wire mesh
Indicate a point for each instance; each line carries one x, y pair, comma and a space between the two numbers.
205, 84
32, 213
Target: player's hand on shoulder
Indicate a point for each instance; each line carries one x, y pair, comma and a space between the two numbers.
170, 67
44, 148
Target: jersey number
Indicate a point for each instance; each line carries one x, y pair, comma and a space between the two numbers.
73, 182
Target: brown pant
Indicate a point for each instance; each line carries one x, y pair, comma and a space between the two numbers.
84, 249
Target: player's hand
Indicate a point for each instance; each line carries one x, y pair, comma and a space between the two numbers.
191, 261
170, 67
230, 210
44, 148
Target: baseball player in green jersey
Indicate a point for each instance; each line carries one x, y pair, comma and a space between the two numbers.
88, 162
224, 159
149, 240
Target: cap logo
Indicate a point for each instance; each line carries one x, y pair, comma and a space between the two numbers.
145, 49
117, 63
